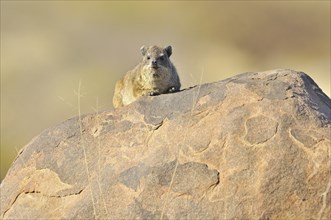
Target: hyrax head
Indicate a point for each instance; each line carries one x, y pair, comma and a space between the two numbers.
156, 57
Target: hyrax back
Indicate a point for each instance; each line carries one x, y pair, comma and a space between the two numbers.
154, 75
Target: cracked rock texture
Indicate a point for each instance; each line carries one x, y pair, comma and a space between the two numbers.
254, 146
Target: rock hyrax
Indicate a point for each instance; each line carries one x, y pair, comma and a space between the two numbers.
154, 75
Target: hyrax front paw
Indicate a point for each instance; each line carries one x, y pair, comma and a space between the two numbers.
172, 89
154, 93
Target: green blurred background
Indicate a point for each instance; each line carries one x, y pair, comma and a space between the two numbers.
47, 47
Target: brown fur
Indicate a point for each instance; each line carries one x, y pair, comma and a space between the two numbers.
154, 75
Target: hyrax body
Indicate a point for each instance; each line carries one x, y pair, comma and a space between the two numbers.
154, 75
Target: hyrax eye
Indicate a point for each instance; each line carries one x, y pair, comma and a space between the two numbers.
148, 57
162, 57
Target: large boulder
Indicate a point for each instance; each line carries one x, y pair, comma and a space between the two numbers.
254, 146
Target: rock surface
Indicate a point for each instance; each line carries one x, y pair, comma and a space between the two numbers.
256, 145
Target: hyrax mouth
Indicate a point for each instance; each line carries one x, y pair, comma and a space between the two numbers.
155, 71
155, 66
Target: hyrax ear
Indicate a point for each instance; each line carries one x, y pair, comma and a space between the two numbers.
143, 50
168, 50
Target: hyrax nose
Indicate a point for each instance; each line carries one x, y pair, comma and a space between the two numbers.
154, 62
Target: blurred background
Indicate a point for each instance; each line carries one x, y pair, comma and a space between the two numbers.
48, 47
